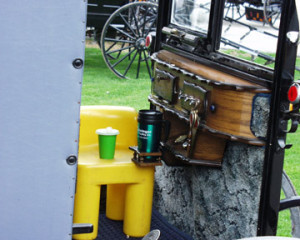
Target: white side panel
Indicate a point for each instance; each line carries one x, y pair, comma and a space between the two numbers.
39, 116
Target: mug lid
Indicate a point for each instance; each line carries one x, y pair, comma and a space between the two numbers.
150, 115
107, 131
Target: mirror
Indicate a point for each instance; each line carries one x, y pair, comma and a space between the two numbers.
191, 14
250, 30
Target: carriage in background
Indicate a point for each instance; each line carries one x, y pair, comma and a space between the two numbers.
266, 11
120, 28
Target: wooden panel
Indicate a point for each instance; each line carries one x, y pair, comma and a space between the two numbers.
209, 149
204, 71
221, 103
232, 113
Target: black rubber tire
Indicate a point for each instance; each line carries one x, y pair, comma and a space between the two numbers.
290, 192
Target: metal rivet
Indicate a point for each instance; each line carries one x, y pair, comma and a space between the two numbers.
78, 63
213, 108
71, 160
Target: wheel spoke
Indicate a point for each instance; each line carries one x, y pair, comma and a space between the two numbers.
151, 26
115, 57
111, 46
116, 63
276, 18
136, 23
118, 40
148, 67
127, 24
139, 64
121, 31
144, 22
120, 49
128, 67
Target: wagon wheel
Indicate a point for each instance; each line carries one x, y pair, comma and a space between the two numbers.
291, 194
123, 39
272, 13
234, 9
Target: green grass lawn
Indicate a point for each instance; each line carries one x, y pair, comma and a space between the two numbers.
102, 87
292, 167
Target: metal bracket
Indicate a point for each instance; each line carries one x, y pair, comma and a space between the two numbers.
81, 228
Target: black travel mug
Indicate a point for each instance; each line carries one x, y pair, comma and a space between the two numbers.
149, 131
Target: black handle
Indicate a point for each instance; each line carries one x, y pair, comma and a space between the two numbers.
80, 228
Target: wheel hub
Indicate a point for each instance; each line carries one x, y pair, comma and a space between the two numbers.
140, 43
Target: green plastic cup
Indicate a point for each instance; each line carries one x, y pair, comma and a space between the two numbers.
107, 142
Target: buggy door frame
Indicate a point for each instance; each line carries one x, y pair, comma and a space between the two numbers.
276, 138
278, 80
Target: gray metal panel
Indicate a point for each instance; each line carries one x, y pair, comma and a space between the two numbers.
39, 116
